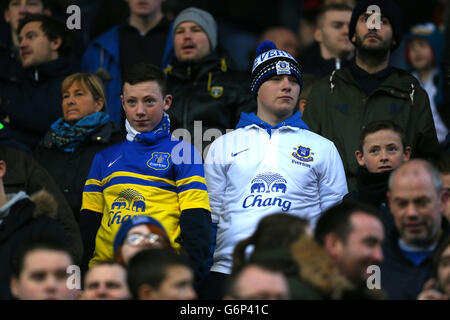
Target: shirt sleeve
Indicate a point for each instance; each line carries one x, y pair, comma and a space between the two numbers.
93, 199
332, 181
190, 181
216, 178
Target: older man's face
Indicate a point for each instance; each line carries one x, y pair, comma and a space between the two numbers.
416, 205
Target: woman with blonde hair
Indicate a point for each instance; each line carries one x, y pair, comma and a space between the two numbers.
70, 145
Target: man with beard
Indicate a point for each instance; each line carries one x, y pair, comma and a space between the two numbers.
417, 201
369, 89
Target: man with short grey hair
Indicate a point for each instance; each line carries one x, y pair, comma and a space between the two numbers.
417, 202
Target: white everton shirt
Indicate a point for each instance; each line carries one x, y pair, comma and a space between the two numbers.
251, 173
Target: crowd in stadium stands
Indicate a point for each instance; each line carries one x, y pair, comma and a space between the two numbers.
178, 150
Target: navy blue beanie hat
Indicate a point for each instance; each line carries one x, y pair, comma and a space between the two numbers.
388, 8
270, 62
131, 223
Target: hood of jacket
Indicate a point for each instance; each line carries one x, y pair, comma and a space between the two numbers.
318, 269
248, 119
42, 204
45, 204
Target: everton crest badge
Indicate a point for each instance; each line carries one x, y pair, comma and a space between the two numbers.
159, 161
216, 92
303, 154
283, 67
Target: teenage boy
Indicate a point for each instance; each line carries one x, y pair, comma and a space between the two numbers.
271, 163
146, 175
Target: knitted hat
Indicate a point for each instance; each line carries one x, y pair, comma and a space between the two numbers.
270, 62
388, 8
203, 19
131, 223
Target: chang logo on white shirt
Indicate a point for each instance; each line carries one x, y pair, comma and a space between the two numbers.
263, 186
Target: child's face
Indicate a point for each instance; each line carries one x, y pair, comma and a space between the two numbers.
382, 151
420, 53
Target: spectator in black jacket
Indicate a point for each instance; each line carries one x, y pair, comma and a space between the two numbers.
332, 49
22, 219
10, 64
417, 201
204, 87
25, 174
34, 103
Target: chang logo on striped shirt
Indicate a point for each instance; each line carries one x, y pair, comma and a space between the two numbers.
129, 200
262, 187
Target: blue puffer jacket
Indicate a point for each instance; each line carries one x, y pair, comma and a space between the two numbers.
103, 54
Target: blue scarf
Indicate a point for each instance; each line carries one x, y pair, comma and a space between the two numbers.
68, 137
161, 130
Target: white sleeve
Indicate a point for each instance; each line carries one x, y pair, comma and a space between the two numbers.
332, 181
216, 179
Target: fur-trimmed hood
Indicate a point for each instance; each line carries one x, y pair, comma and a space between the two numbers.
318, 269
45, 204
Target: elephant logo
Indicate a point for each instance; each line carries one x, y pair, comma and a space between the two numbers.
139, 204
277, 187
258, 187
119, 203
129, 199
268, 182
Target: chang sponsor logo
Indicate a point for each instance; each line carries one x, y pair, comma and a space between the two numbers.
263, 187
128, 200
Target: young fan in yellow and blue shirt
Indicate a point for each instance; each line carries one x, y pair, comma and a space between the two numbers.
151, 174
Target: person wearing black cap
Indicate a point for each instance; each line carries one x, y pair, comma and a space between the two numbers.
202, 80
369, 89
270, 164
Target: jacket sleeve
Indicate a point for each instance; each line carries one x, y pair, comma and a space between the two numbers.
195, 225
426, 144
195, 218
89, 224
38, 178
